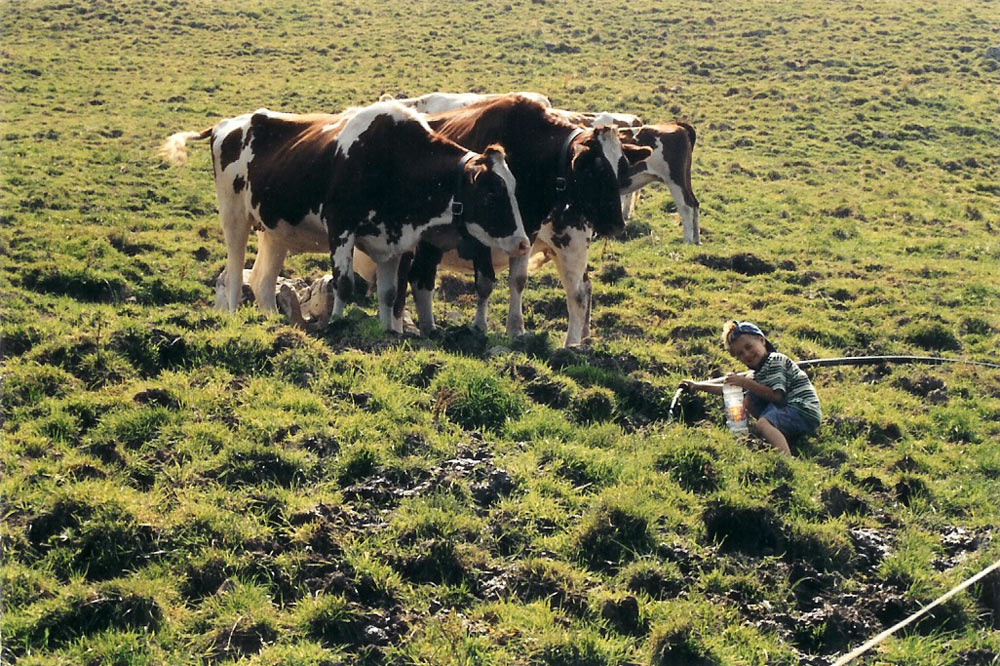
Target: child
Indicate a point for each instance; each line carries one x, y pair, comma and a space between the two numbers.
779, 393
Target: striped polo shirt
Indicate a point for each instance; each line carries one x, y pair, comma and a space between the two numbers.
782, 374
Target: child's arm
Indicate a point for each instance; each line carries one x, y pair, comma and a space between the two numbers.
761, 391
707, 387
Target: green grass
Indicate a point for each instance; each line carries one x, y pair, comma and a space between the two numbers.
181, 485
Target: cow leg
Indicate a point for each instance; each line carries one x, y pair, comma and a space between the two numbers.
516, 281
628, 204
423, 272
365, 267
689, 214
486, 278
386, 275
342, 258
236, 232
571, 261
402, 284
266, 267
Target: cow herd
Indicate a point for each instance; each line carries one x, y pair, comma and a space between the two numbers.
466, 182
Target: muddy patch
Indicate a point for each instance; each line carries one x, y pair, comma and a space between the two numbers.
922, 386
463, 340
871, 546
957, 543
744, 263
487, 483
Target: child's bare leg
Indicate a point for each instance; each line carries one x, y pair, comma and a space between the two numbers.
773, 436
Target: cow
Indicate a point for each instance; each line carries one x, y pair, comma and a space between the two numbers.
590, 119
669, 163
377, 177
569, 179
436, 102
672, 145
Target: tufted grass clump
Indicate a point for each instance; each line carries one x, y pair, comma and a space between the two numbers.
28, 383
475, 398
677, 642
593, 404
237, 622
691, 466
328, 618
582, 467
932, 336
611, 534
94, 529
581, 648
80, 610
551, 581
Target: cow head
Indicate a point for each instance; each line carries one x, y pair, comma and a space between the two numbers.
598, 171
490, 208
636, 158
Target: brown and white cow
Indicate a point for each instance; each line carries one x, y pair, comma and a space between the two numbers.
377, 177
568, 189
672, 145
589, 119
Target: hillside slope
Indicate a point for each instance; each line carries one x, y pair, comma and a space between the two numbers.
184, 485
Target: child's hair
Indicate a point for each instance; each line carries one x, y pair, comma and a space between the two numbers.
734, 329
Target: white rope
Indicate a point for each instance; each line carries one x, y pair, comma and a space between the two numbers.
899, 625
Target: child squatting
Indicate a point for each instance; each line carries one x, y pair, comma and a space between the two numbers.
778, 393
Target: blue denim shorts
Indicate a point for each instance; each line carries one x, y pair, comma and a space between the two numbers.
790, 421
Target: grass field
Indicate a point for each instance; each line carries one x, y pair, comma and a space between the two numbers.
183, 486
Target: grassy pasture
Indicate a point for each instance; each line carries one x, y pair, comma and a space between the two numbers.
184, 486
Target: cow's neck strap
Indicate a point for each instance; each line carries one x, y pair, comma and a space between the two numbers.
562, 176
457, 206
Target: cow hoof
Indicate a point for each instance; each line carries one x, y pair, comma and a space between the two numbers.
515, 331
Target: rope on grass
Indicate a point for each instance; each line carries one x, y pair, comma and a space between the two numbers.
857, 652
851, 360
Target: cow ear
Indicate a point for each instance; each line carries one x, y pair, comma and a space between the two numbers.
477, 168
495, 151
635, 153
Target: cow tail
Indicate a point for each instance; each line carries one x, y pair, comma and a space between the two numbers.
174, 149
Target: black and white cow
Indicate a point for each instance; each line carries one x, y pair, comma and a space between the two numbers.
377, 177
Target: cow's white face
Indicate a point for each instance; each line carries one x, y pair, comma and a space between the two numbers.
611, 146
494, 217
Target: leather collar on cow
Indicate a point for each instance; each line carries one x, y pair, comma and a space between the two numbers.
457, 206
562, 179
562, 176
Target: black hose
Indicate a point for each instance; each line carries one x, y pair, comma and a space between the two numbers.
873, 360
854, 360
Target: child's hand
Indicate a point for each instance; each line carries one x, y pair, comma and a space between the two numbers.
735, 379
687, 385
